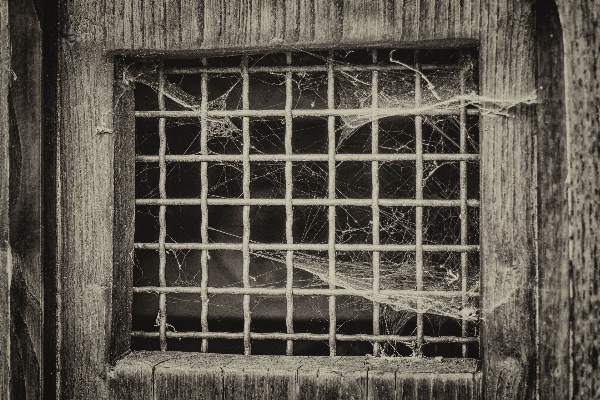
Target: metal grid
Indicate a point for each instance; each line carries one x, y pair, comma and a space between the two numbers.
331, 202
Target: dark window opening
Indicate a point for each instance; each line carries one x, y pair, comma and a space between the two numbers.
308, 203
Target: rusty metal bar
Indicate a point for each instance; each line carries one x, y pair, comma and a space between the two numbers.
325, 112
419, 209
247, 247
311, 247
289, 214
306, 336
306, 202
375, 199
463, 207
204, 205
267, 291
162, 182
246, 208
305, 68
224, 158
331, 195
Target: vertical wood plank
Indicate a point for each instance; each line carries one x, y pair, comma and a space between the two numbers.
86, 207
27, 286
124, 216
508, 205
553, 218
581, 38
5, 257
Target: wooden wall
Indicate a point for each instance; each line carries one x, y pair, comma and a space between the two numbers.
27, 286
580, 20
553, 219
94, 30
5, 261
21, 279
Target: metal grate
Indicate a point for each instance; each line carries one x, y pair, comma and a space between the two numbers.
172, 118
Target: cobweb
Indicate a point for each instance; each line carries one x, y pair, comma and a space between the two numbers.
441, 92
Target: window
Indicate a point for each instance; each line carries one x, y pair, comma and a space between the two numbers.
306, 203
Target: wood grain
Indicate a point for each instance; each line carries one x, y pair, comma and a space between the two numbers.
216, 376
27, 289
124, 220
508, 206
581, 38
94, 29
167, 25
134, 377
553, 218
86, 203
5, 256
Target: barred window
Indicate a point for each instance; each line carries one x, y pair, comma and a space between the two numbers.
307, 203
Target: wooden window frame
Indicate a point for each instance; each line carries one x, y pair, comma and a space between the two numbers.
210, 371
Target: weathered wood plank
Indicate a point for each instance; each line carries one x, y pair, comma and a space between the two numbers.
27, 286
86, 204
217, 376
581, 38
133, 377
124, 221
5, 257
160, 25
508, 211
553, 218
264, 378
339, 377
193, 376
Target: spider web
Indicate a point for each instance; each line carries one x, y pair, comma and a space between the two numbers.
354, 270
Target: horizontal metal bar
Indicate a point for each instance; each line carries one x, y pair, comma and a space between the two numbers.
325, 112
306, 202
306, 336
264, 291
221, 158
310, 247
306, 68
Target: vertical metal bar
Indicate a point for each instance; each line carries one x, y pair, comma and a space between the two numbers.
375, 199
331, 192
289, 214
204, 203
246, 208
162, 183
463, 204
419, 209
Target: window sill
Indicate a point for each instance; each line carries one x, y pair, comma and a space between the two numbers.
175, 375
